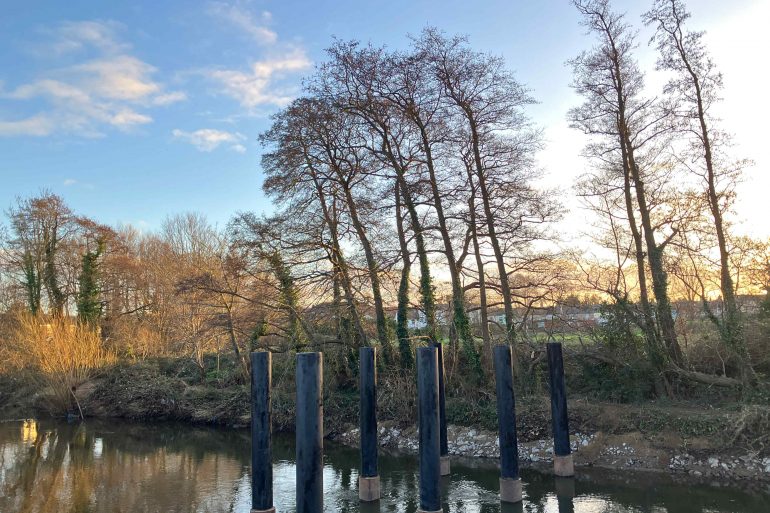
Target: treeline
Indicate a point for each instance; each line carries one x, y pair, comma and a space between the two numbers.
408, 180
174, 292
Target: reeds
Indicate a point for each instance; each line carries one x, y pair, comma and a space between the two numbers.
61, 355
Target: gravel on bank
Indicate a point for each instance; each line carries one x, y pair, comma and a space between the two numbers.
629, 451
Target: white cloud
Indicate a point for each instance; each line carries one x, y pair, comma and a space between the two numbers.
239, 15
169, 98
121, 77
127, 117
209, 139
82, 99
70, 181
38, 125
258, 85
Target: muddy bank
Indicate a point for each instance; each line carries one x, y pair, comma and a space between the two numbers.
727, 441
628, 451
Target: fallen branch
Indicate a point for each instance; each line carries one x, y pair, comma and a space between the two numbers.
707, 379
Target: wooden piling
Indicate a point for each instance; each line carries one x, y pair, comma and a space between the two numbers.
369, 479
309, 431
428, 403
510, 481
445, 465
562, 459
261, 434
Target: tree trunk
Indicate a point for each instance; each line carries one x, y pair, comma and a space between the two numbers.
426, 284
32, 283
459, 315
234, 341
731, 329
338, 261
50, 275
402, 332
654, 252
297, 333
655, 258
658, 358
483, 312
505, 287
373, 270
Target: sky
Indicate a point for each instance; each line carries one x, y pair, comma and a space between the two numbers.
132, 111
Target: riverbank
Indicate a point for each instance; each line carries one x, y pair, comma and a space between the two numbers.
723, 441
633, 451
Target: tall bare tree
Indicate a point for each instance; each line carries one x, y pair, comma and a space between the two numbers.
297, 170
629, 126
40, 227
489, 103
695, 89
351, 81
418, 98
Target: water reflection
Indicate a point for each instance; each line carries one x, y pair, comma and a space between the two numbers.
101, 467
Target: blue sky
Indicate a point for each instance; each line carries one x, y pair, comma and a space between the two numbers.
133, 111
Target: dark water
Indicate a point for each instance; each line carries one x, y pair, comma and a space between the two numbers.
101, 467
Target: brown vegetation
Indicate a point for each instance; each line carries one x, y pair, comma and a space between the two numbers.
59, 356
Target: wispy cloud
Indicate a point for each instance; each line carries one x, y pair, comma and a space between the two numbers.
260, 85
38, 125
239, 14
70, 37
263, 82
84, 98
72, 182
209, 139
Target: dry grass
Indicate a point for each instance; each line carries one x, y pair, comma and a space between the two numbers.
61, 354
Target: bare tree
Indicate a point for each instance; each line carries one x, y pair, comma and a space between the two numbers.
694, 89
350, 81
40, 226
628, 126
488, 103
418, 98
297, 168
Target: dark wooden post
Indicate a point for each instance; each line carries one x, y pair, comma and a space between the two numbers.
562, 459
369, 479
443, 439
428, 405
261, 428
510, 482
309, 428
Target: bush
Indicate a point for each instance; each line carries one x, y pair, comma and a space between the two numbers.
60, 354
631, 382
626, 374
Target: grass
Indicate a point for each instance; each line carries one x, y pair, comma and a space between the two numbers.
61, 356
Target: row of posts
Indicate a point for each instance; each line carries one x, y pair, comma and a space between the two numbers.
433, 442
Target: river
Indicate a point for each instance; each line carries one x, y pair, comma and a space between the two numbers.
124, 467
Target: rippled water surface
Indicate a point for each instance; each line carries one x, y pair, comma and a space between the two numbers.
100, 467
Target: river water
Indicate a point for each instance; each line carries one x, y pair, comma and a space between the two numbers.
114, 466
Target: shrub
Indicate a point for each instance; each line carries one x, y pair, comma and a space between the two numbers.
61, 355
